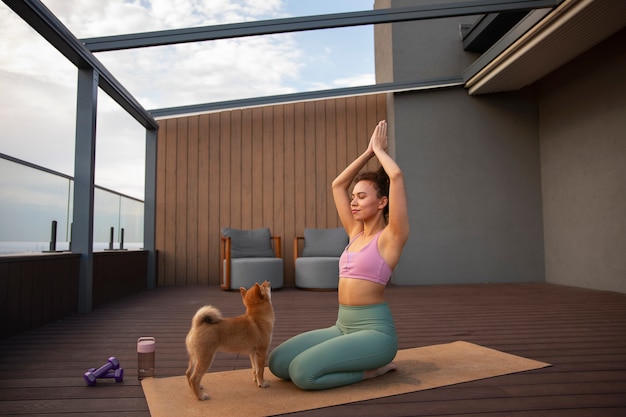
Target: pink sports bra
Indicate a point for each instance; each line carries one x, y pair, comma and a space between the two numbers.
365, 264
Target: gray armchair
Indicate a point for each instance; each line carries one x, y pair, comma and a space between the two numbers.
249, 256
317, 267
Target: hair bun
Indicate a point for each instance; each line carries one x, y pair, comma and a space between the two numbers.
382, 177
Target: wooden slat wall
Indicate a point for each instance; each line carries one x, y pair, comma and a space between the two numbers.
249, 168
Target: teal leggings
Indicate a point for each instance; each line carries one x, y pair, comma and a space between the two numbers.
363, 338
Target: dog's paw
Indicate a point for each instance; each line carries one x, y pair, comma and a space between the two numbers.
204, 397
264, 384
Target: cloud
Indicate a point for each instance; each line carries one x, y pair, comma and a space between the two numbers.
355, 81
92, 18
38, 119
120, 150
25, 53
202, 72
191, 73
39, 86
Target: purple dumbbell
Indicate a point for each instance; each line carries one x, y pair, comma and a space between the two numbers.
92, 375
117, 374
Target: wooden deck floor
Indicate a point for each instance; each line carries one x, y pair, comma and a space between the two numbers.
581, 332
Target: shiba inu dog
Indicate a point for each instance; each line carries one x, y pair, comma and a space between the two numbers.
249, 333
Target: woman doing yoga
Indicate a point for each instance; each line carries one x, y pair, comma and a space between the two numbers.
363, 342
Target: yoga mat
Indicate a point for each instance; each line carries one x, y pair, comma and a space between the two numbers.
233, 393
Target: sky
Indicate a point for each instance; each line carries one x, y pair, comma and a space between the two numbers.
38, 85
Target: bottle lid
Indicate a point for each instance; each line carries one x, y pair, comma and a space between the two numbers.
146, 344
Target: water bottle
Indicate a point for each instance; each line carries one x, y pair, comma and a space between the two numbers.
146, 349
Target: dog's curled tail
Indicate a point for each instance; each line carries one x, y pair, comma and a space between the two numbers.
206, 315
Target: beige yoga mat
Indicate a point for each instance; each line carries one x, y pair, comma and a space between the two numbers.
233, 393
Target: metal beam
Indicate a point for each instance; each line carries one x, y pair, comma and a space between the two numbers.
149, 207
394, 87
84, 173
50, 28
297, 24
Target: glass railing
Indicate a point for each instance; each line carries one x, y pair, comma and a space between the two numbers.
36, 212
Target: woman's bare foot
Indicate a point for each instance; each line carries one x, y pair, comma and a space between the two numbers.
373, 373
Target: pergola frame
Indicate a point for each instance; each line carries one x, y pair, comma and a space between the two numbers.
304, 23
92, 74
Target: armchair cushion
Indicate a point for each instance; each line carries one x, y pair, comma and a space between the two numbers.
324, 242
245, 272
320, 273
255, 243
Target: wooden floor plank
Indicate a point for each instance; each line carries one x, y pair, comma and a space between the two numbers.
582, 333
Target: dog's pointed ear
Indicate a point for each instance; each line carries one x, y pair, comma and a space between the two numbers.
258, 289
243, 291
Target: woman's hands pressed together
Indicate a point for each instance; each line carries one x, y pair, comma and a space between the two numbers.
378, 141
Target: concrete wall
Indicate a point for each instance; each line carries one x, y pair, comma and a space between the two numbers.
473, 180
419, 50
583, 164
471, 164
494, 179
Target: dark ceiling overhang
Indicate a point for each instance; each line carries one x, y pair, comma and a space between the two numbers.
555, 38
480, 36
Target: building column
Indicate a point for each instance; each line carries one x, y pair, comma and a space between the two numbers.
84, 177
149, 206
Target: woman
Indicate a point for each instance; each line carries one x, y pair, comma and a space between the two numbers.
363, 342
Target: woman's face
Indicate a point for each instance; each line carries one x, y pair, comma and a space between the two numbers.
365, 202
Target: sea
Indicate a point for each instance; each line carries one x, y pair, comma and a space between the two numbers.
15, 248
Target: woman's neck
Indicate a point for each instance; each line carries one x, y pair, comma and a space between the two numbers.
373, 227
